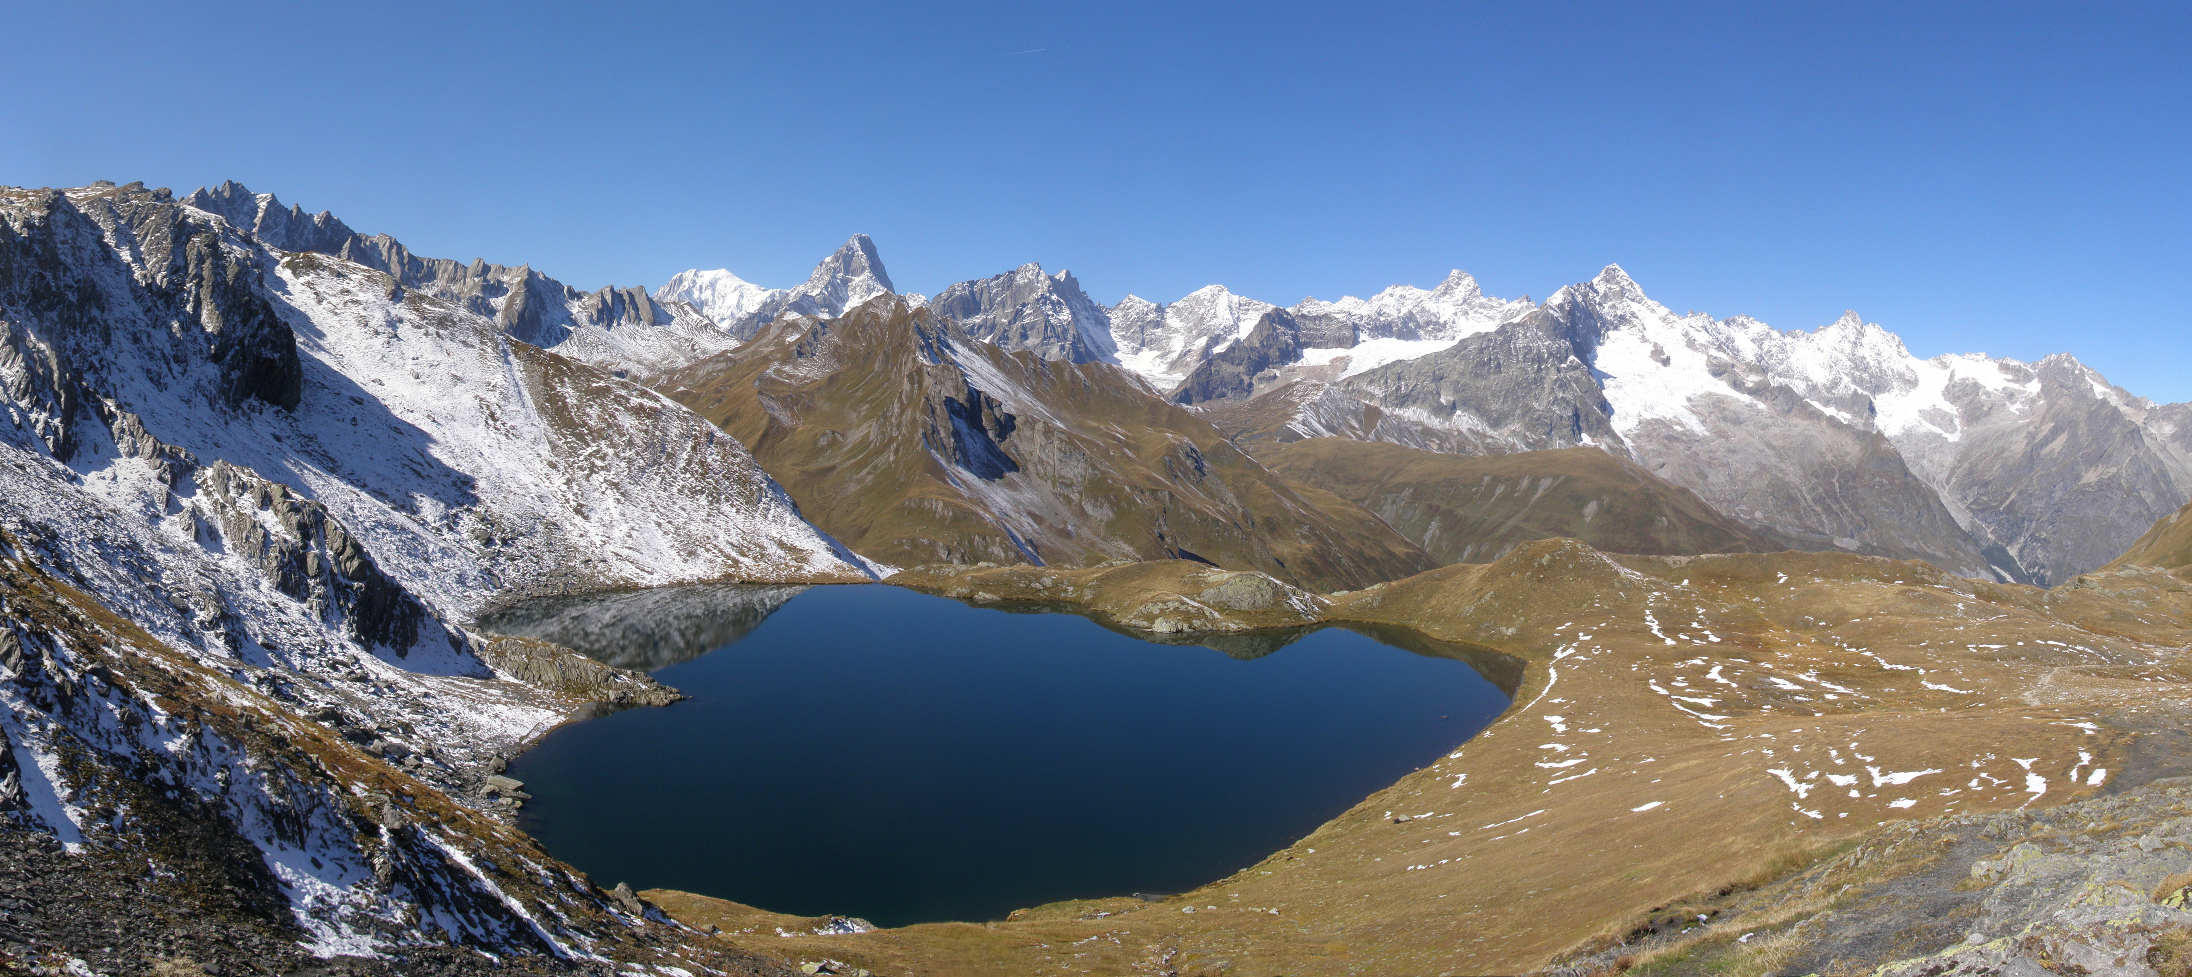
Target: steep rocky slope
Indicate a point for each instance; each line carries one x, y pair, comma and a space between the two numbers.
1473, 510
182, 815
915, 444
275, 485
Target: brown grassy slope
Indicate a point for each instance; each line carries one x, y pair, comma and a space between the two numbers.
2168, 545
1475, 509
913, 446
1686, 724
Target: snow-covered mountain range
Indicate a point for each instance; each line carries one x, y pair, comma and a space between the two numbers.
1838, 435
851, 275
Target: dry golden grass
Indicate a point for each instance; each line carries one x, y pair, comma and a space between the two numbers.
1510, 852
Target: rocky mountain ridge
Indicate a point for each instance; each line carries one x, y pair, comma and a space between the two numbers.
1837, 437
276, 485
850, 276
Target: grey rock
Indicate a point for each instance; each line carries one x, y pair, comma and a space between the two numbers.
617, 328
1047, 315
312, 558
1235, 371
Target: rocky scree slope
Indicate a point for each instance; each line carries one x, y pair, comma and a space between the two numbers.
916, 444
301, 478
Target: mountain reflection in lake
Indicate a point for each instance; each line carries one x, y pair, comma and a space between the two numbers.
645, 630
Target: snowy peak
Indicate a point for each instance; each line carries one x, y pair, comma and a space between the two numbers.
1613, 278
848, 277
1134, 305
716, 293
1459, 284
1165, 343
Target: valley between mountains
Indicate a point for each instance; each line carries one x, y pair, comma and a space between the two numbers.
1823, 657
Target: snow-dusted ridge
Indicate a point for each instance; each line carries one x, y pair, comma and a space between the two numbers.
296, 478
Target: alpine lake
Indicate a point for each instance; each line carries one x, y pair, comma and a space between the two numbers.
871, 751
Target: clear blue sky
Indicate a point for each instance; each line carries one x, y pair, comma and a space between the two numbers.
2004, 179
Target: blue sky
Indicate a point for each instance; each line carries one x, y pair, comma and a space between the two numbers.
2008, 179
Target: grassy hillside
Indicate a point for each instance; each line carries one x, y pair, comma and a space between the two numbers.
2168, 545
915, 446
1472, 510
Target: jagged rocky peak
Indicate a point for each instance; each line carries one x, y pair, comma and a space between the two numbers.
1614, 278
1027, 308
1458, 284
231, 200
1853, 331
848, 277
263, 216
628, 306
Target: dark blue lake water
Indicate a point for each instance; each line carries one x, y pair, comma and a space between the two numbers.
877, 752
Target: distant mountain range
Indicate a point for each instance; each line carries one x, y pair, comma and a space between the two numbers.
1834, 438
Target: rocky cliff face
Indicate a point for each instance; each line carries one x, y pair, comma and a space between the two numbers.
1275, 340
1047, 315
309, 557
